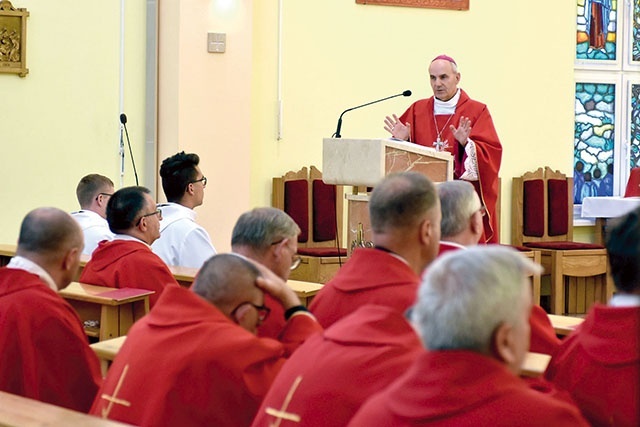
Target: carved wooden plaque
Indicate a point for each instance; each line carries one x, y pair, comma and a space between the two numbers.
13, 39
434, 4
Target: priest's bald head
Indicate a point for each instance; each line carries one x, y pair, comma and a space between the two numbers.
236, 286
405, 218
478, 300
52, 239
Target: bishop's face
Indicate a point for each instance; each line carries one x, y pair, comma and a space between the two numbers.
443, 79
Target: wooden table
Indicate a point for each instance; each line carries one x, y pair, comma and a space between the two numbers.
18, 411
534, 364
564, 325
107, 351
116, 309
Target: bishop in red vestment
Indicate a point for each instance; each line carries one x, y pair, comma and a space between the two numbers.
188, 363
330, 376
451, 121
128, 264
45, 353
371, 276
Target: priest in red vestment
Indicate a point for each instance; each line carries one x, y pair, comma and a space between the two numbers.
476, 334
461, 227
127, 261
195, 360
44, 353
333, 373
269, 236
599, 363
405, 219
451, 121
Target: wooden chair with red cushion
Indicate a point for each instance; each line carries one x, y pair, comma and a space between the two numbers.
542, 219
317, 208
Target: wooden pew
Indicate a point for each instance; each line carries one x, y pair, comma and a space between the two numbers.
116, 309
107, 351
534, 364
564, 325
186, 275
18, 411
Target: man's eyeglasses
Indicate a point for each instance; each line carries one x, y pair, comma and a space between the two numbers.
482, 210
203, 180
295, 259
103, 194
156, 212
263, 310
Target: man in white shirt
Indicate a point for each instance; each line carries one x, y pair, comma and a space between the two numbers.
93, 192
182, 241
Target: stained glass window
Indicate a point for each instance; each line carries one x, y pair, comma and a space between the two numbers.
636, 31
634, 127
594, 140
597, 23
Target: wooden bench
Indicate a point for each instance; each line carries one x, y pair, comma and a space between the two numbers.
534, 364
116, 309
18, 411
564, 325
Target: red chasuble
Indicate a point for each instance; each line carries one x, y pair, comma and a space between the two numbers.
44, 350
275, 323
127, 264
371, 276
483, 134
330, 376
599, 365
463, 388
186, 364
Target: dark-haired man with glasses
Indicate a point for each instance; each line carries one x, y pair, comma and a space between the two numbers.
93, 193
195, 360
183, 241
127, 261
269, 236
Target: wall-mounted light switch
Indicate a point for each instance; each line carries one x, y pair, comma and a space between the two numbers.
216, 42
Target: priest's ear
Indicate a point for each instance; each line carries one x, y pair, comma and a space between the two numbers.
504, 346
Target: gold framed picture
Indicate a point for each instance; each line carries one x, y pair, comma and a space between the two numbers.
13, 39
434, 4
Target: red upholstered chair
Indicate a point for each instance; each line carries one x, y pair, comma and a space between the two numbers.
633, 184
317, 208
542, 219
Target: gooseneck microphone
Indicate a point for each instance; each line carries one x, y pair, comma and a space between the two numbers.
337, 133
123, 120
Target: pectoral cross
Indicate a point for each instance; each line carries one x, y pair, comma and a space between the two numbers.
282, 414
113, 399
441, 145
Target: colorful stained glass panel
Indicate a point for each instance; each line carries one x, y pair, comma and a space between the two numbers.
635, 54
634, 128
597, 23
594, 140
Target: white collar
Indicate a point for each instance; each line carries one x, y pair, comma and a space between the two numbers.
625, 300
128, 237
446, 107
21, 263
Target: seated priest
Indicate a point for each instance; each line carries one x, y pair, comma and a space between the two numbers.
93, 193
405, 218
599, 363
195, 360
472, 316
269, 236
127, 261
44, 353
461, 227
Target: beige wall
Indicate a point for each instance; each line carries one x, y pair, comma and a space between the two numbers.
61, 120
337, 54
